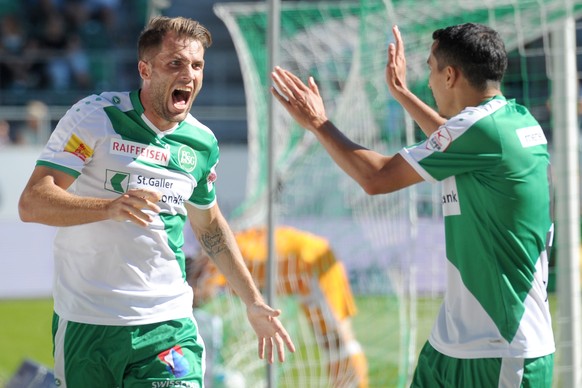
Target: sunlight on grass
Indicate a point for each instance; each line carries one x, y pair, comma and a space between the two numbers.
26, 333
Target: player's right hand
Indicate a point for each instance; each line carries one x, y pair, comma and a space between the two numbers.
303, 102
131, 205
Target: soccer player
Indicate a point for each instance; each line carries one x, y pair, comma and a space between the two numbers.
494, 327
309, 269
120, 175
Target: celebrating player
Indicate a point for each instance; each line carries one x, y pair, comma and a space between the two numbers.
120, 175
494, 327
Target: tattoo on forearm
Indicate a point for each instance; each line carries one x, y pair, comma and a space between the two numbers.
213, 242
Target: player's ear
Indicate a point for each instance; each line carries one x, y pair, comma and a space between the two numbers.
452, 75
144, 69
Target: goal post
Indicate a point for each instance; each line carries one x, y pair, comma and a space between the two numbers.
392, 245
567, 176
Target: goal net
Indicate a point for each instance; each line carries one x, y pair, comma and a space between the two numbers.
392, 246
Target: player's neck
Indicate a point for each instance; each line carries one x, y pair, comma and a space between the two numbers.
468, 97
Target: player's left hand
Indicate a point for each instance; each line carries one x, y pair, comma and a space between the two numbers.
270, 332
396, 65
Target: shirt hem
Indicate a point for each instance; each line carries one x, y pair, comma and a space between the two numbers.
492, 353
133, 321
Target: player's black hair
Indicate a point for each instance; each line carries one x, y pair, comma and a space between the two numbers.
475, 49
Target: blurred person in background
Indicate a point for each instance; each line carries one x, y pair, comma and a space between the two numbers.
35, 129
120, 176
104, 11
92, 32
4, 133
20, 66
67, 63
494, 327
13, 41
307, 268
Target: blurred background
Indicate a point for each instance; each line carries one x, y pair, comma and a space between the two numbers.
54, 52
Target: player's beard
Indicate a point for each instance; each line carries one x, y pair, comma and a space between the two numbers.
162, 104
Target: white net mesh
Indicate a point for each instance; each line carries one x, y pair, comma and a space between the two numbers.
391, 245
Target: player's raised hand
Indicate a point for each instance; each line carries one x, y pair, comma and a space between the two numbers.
270, 332
396, 65
303, 102
131, 205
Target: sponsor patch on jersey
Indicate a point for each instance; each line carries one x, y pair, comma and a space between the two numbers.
187, 158
439, 140
77, 147
450, 198
147, 153
531, 136
116, 181
175, 361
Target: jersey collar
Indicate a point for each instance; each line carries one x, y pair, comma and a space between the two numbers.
138, 107
496, 97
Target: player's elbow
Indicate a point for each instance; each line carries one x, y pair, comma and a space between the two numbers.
25, 209
374, 186
371, 190
392, 175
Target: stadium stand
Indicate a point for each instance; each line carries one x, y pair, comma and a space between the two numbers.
58, 51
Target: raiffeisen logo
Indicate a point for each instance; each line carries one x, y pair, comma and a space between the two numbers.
187, 158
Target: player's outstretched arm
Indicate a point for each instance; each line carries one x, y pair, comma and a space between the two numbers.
45, 200
427, 118
374, 172
217, 239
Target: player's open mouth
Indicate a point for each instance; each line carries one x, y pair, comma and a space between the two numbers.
180, 97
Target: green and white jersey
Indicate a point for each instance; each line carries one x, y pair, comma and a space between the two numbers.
118, 273
494, 163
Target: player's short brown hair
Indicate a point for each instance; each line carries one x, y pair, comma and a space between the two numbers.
152, 35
